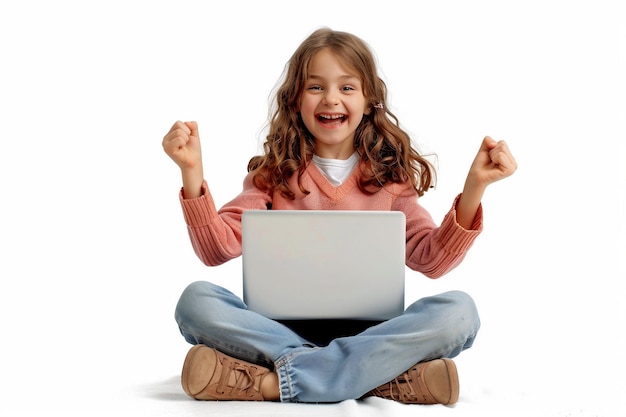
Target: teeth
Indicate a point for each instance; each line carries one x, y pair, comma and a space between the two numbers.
331, 116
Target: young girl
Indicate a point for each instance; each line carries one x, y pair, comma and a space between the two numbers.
332, 144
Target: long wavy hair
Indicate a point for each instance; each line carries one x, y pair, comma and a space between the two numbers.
386, 153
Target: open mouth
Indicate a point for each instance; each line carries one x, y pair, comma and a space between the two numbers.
331, 119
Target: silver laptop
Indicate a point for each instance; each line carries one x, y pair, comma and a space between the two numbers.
310, 264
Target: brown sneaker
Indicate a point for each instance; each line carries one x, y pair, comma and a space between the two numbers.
211, 375
433, 382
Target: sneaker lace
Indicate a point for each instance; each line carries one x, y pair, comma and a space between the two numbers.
244, 378
401, 388
404, 390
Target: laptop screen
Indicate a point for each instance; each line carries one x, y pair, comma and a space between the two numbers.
308, 264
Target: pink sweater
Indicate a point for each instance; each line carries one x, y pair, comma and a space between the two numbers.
216, 234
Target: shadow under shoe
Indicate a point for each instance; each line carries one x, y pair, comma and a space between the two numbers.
433, 382
211, 375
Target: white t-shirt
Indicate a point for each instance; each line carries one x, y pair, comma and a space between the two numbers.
336, 170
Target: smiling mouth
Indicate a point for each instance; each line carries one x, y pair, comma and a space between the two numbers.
331, 119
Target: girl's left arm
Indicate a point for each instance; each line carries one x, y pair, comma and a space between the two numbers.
493, 162
433, 250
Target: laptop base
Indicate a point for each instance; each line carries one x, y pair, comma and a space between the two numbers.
322, 332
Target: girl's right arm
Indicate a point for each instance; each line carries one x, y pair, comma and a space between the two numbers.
182, 144
215, 234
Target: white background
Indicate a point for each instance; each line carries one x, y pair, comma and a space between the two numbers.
94, 250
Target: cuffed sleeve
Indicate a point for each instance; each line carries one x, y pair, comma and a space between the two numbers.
432, 250
454, 238
199, 211
216, 234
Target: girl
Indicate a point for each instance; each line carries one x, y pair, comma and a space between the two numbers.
332, 144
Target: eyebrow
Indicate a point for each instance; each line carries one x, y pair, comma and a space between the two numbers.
342, 77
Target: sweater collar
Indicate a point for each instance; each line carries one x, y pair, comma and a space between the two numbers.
333, 192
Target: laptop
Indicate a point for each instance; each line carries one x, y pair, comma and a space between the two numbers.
324, 264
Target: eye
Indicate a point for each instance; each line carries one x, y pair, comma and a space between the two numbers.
315, 87
348, 88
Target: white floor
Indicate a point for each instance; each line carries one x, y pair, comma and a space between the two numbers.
163, 397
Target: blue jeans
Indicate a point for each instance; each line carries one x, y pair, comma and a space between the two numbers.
348, 367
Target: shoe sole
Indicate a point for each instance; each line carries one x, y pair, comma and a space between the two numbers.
453, 380
198, 369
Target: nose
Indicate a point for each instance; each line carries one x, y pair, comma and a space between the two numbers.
331, 98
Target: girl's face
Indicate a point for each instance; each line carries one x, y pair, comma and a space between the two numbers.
332, 105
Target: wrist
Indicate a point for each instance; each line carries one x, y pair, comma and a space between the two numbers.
473, 191
468, 203
192, 182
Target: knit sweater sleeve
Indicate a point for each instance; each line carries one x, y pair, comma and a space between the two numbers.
435, 250
216, 234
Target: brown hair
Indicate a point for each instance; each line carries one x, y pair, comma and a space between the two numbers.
385, 149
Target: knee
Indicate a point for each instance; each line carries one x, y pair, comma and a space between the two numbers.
461, 324
463, 311
454, 312
199, 296
188, 298
199, 288
195, 290
460, 301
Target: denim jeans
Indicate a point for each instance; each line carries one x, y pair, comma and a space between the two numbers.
348, 367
